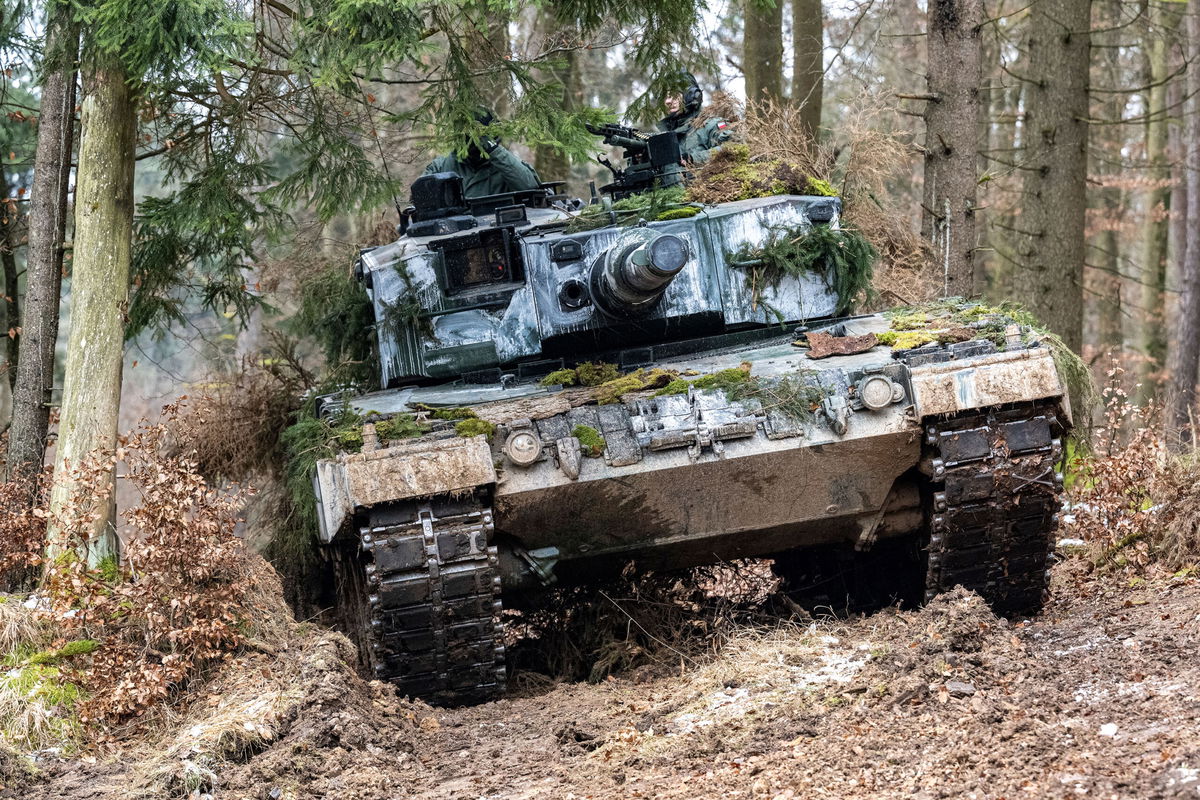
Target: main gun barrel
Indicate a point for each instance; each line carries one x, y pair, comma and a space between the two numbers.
630, 279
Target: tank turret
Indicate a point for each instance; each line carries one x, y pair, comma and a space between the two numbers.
527, 284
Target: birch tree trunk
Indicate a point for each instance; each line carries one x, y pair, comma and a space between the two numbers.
762, 56
1185, 343
99, 297
951, 139
1048, 277
44, 257
808, 61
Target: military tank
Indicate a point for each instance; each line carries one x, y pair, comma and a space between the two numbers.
577, 397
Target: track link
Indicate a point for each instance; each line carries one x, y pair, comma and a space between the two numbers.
996, 494
431, 618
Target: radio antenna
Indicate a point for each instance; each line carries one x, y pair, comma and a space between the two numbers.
387, 173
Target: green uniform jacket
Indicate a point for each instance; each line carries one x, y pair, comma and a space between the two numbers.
700, 139
502, 172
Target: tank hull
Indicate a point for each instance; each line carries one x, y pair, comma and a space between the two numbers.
880, 447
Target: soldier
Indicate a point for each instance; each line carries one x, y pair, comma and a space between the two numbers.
700, 138
490, 170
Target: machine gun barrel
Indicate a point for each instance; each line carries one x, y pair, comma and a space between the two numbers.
621, 136
629, 143
631, 278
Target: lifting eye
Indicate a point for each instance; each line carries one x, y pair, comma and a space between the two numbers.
573, 295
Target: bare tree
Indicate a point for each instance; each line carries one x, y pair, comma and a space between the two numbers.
808, 61
951, 139
44, 257
1153, 339
1052, 245
1184, 355
762, 56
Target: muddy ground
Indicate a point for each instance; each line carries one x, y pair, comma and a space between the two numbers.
1099, 697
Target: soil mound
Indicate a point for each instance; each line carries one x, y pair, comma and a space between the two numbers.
343, 738
16, 773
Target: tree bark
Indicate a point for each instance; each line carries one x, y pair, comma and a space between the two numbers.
808, 62
1184, 356
99, 297
1103, 302
1004, 124
44, 257
10, 315
552, 163
12, 306
1052, 249
491, 52
762, 56
1152, 338
1177, 224
951, 140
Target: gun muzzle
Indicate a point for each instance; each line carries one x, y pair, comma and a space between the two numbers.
629, 280
628, 143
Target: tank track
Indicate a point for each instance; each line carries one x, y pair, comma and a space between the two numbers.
996, 494
431, 619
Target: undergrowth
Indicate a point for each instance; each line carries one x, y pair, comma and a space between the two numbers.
335, 312
103, 645
1134, 502
639, 620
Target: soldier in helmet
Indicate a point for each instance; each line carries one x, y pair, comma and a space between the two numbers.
682, 114
488, 167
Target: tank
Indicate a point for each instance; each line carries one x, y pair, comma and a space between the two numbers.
727, 419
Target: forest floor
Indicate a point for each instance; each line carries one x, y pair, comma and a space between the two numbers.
1098, 697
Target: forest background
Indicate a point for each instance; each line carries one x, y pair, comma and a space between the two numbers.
226, 160
187, 184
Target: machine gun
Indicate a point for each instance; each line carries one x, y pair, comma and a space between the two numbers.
651, 159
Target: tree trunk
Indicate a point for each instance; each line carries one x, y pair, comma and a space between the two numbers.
1177, 224
552, 163
99, 297
12, 307
491, 53
1185, 351
1152, 337
1103, 306
1004, 124
808, 62
44, 257
1051, 252
951, 140
762, 56
10, 315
